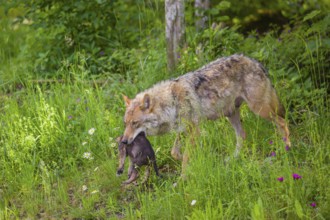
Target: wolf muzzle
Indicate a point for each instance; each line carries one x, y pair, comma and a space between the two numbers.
124, 141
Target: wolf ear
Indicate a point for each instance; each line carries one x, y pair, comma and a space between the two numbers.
127, 100
146, 102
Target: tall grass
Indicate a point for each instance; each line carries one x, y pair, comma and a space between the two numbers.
44, 174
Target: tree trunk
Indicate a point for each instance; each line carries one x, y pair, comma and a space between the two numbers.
200, 7
175, 31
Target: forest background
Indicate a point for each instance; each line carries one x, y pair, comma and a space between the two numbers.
64, 66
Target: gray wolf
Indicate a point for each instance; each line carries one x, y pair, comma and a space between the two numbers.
140, 153
215, 90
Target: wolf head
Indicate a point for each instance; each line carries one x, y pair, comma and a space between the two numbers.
139, 117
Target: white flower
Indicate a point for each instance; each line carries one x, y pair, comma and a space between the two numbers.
203, 132
84, 143
88, 156
175, 185
193, 202
96, 169
113, 145
84, 188
91, 131
94, 191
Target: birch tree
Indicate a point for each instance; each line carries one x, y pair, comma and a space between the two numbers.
175, 31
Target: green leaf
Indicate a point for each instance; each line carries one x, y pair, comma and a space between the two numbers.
223, 5
224, 18
299, 209
214, 11
258, 211
311, 15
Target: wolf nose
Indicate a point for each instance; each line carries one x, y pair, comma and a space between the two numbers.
124, 141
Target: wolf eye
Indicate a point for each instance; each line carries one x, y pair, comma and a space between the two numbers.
134, 123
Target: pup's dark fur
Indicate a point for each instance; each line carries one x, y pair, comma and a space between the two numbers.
140, 153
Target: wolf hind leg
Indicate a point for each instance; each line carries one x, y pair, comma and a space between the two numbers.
134, 175
269, 107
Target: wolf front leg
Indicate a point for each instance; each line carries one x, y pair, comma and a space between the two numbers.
193, 134
175, 152
235, 121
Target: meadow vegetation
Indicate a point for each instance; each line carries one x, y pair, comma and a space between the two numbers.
61, 110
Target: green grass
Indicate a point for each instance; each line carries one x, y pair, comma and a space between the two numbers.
44, 135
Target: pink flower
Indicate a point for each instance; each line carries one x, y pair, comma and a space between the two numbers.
296, 176
313, 204
287, 148
280, 179
273, 154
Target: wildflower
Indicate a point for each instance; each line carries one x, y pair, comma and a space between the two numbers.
287, 148
68, 40
296, 176
88, 156
102, 53
271, 142
70, 117
84, 188
193, 202
113, 145
91, 131
203, 132
313, 204
83, 143
96, 169
273, 154
175, 185
284, 138
280, 179
94, 191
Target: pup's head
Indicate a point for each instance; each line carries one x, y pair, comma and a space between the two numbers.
139, 117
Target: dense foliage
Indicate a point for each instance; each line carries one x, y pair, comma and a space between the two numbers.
65, 64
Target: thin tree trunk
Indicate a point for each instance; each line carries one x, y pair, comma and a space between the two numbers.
175, 31
200, 7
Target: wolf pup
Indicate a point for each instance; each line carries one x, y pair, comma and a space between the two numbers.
140, 153
217, 89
